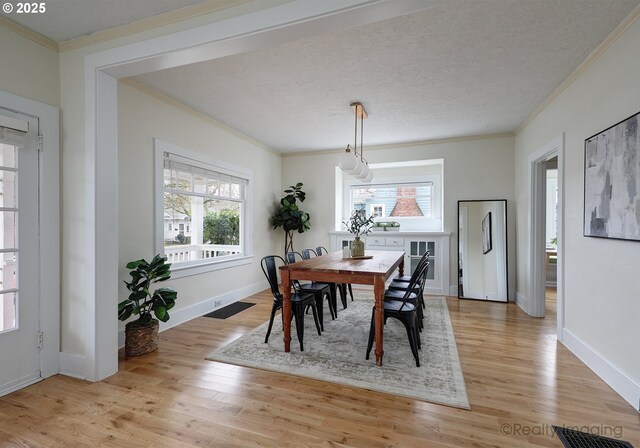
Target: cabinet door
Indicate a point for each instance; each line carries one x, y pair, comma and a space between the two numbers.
415, 249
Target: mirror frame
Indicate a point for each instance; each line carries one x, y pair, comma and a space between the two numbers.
506, 246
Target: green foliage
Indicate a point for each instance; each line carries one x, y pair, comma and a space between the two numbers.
289, 216
359, 224
222, 227
141, 301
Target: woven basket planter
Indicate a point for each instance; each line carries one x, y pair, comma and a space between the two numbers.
141, 340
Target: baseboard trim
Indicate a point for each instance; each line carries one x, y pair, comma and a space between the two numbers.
453, 290
522, 302
73, 365
182, 315
626, 387
18, 384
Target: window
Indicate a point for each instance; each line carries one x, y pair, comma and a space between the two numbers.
402, 199
376, 210
210, 200
408, 192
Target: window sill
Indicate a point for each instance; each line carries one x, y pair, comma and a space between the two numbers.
178, 271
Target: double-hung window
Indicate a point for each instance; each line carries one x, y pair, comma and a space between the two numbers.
204, 208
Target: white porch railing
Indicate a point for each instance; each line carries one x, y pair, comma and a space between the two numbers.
188, 252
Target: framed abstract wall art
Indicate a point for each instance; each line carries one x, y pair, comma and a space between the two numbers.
612, 182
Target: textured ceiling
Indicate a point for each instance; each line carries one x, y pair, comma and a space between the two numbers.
68, 19
467, 67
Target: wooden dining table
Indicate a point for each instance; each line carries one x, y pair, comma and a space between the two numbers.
332, 268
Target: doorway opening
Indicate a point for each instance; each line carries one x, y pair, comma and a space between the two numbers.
551, 240
546, 241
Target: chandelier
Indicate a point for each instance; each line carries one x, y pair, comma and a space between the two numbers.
351, 162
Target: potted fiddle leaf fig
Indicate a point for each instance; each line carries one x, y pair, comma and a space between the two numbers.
289, 216
141, 335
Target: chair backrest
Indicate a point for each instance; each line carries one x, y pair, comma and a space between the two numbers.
321, 250
293, 257
416, 277
308, 254
270, 270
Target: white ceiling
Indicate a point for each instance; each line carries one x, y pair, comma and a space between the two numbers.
467, 67
68, 19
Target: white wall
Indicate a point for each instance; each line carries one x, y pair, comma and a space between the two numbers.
143, 117
75, 254
28, 69
602, 300
480, 168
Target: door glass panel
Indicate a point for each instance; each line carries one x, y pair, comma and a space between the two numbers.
7, 188
7, 156
7, 311
8, 231
7, 271
422, 248
432, 249
414, 248
8, 223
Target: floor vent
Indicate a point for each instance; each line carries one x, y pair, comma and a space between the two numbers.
571, 438
229, 310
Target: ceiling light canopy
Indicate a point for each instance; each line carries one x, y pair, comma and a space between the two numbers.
352, 162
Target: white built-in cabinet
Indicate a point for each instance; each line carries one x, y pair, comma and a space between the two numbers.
414, 245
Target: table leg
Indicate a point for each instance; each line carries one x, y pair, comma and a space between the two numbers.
378, 292
286, 308
401, 267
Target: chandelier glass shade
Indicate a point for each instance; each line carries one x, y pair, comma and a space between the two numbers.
351, 162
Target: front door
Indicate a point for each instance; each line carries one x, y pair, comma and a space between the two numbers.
19, 252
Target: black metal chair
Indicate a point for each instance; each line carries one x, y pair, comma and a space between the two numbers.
320, 250
405, 310
397, 289
299, 301
401, 282
319, 291
310, 253
400, 285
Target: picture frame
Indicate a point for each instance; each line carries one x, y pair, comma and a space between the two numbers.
611, 177
486, 234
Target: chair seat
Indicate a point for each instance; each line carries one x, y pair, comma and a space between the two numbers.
395, 294
402, 278
402, 286
313, 286
395, 305
297, 297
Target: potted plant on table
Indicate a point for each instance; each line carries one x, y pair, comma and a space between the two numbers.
141, 335
358, 224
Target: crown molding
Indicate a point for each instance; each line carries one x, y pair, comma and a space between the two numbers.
186, 109
157, 21
595, 54
405, 144
29, 34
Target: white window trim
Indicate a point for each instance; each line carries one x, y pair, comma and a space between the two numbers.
246, 231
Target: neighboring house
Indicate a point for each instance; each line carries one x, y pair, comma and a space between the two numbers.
175, 225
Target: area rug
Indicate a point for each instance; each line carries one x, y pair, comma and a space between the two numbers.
338, 356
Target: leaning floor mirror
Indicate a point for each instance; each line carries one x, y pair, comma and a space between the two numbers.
482, 250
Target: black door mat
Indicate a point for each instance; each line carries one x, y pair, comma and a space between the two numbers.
229, 310
571, 438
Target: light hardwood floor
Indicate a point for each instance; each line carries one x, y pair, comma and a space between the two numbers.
519, 380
